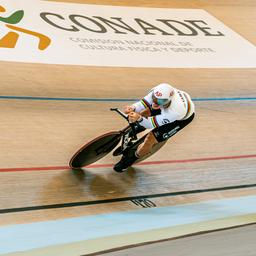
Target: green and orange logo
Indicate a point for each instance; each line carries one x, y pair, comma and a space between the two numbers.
11, 38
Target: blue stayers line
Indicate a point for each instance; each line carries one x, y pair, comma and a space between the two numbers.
224, 99
65, 99
115, 100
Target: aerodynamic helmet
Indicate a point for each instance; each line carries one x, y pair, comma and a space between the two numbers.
162, 94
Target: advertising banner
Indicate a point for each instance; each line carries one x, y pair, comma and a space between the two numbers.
95, 35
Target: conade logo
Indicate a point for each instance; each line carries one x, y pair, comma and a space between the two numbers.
10, 39
98, 24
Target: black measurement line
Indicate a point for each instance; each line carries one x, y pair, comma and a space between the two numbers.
122, 199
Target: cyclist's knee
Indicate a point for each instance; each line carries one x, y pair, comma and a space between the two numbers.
147, 145
150, 139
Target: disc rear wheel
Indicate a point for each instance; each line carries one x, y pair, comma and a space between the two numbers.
95, 150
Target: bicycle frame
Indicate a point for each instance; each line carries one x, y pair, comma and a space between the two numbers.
125, 133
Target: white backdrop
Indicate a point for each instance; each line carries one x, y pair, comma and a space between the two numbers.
143, 41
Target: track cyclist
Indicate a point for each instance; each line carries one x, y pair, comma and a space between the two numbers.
165, 110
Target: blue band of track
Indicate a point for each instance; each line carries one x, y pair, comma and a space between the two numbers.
116, 100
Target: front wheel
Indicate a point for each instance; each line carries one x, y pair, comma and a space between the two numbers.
95, 150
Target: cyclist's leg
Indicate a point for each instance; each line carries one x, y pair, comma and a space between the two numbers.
145, 147
166, 131
160, 134
133, 155
126, 161
157, 135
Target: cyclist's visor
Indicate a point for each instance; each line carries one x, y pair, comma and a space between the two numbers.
160, 102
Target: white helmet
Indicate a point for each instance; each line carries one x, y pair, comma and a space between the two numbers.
163, 93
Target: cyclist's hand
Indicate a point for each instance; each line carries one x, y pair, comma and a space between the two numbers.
133, 117
128, 109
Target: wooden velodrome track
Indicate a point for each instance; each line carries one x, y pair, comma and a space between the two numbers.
38, 137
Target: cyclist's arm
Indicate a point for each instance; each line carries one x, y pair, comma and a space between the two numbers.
145, 113
158, 120
141, 105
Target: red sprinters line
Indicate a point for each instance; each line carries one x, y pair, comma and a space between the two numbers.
54, 168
